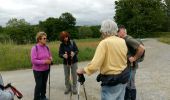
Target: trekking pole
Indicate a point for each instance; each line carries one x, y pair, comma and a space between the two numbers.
130, 97
49, 80
81, 80
78, 94
70, 77
84, 91
71, 84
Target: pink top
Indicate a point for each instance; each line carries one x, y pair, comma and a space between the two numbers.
38, 57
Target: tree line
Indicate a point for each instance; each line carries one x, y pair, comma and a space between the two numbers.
21, 32
141, 18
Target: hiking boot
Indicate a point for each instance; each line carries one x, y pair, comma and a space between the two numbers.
74, 91
67, 91
45, 98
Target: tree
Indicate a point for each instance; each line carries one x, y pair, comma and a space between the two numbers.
140, 16
51, 26
95, 31
85, 32
19, 31
167, 3
67, 21
1, 29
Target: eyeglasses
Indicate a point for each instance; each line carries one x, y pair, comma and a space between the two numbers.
44, 38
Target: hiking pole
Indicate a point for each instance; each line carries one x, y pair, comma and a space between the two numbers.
84, 91
71, 83
49, 79
78, 94
81, 80
130, 97
70, 76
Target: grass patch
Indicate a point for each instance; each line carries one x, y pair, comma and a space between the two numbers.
165, 38
14, 57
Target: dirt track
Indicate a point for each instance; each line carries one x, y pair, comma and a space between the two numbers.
152, 80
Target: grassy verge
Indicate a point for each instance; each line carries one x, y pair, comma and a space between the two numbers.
165, 38
14, 57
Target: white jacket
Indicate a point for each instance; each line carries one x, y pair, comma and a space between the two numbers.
6, 94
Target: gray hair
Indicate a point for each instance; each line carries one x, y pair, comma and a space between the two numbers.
109, 27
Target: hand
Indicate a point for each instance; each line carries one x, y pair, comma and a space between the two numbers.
48, 61
81, 78
80, 71
10, 90
50, 58
72, 54
65, 56
132, 59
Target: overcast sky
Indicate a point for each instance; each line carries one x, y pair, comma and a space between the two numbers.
86, 12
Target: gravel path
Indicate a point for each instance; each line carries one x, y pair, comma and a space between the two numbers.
152, 80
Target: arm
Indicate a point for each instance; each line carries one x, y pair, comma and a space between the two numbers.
34, 58
96, 62
139, 52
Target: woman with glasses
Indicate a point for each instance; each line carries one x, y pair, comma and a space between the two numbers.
41, 59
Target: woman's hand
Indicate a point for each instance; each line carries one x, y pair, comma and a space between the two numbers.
48, 61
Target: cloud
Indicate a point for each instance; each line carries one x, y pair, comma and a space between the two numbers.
86, 12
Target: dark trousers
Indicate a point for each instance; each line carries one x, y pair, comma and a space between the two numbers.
41, 78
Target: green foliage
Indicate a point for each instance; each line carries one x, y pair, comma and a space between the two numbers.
19, 31
164, 37
141, 16
95, 31
85, 32
1, 29
158, 34
4, 38
53, 26
67, 21
167, 3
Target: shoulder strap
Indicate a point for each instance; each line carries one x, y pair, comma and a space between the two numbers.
71, 41
37, 48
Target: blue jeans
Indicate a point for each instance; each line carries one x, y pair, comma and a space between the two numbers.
113, 92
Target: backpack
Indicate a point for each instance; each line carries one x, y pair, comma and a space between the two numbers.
133, 51
37, 49
143, 55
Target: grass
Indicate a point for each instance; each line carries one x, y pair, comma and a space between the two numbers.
14, 57
165, 38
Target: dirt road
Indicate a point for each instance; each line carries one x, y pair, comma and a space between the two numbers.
152, 80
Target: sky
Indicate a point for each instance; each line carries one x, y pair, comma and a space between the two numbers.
86, 12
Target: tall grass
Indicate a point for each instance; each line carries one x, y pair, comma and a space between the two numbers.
18, 56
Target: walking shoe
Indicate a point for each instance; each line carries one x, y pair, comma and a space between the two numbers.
45, 98
67, 91
74, 91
